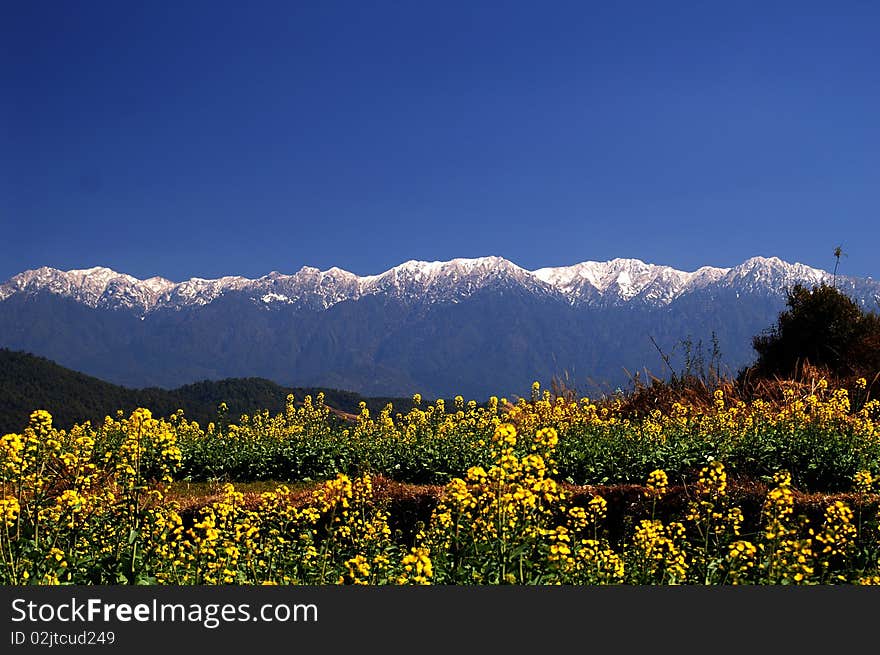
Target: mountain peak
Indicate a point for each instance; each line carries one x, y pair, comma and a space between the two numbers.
774, 273
94, 270
617, 281
469, 325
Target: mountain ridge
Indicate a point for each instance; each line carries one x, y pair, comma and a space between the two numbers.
619, 281
475, 327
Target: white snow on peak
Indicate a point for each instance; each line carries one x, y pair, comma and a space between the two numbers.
274, 297
442, 280
201, 291
589, 282
624, 279
459, 266
773, 272
159, 285
706, 275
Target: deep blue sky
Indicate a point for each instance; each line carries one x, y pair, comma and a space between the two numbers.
239, 138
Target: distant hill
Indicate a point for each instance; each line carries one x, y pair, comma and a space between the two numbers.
28, 382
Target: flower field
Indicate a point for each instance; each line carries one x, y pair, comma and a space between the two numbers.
547, 490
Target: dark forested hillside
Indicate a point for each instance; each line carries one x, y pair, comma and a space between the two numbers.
28, 382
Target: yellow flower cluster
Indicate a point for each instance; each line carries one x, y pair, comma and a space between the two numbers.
741, 561
657, 484
417, 568
838, 533
90, 504
9, 510
778, 507
713, 481
658, 552
864, 482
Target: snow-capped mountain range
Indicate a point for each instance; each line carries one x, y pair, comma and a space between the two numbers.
471, 326
614, 282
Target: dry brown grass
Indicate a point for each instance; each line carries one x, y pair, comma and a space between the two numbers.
697, 391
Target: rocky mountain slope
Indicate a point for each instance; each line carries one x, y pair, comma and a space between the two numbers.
471, 326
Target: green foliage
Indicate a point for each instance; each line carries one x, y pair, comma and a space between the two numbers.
93, 507
822, 440
823, 327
